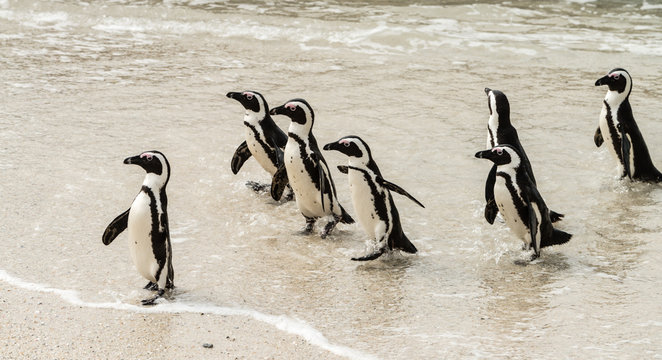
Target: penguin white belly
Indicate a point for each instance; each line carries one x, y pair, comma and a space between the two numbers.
140, 240
306, 194
364, 205
508, 210
257, 150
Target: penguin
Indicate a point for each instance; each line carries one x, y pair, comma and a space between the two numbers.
264, 140
147, 221
519, 201
501, 131
618, 128
306, 168
371, 195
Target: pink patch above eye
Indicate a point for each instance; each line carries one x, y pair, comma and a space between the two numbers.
148, 156
291, 106
499, 151
249, 95
344, 142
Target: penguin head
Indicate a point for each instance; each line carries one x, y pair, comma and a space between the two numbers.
352, 146
499, 107
155, 165
501, 155
619, 82
251, 100
299, 111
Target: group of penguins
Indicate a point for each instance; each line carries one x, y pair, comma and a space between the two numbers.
299, 171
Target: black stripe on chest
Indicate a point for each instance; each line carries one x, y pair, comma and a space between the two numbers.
308, 163
158, 237
517, 200
271, 153
613, 132
378, 198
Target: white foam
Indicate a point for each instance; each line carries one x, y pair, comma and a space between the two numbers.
281, 322
646, 6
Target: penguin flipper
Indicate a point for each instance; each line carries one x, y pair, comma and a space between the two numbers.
597, 138
116, 227
393, 187
240, 156
343, 169
533, 226
491, 208
321, 177
279, 183
625, 149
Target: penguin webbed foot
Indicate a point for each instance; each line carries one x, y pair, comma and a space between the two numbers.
151, 286
371, 256
151, 301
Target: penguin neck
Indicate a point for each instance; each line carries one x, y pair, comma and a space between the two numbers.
253, 118
154, 181
300, 130
614, 98
358, 162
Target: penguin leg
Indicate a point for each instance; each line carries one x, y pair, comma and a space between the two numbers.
328, 228
310, 223
150, 301
380, 233
151, 286
290, 193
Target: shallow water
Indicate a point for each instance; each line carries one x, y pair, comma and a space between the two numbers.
85, 85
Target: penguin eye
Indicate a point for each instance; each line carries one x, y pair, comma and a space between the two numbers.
346, 143
499, 151
147, 156
291, 107
616, 76
249, 96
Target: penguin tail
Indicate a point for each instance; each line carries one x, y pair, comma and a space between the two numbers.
403, 244
345, 218
558, 237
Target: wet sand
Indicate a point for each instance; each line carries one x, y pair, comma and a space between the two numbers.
38, 325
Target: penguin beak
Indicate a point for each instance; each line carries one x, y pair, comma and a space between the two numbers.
487, 91
485, 154
278, 111
605, 80
133, 160
332, 146
232, 95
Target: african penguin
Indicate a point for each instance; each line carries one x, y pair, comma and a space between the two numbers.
519, 202
372, 198
501, 131
307, 171
147, 221
618, 128
264, 140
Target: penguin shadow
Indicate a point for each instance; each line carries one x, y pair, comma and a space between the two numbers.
392, 261
547, 261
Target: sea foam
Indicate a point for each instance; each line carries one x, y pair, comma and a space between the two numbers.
281, 322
